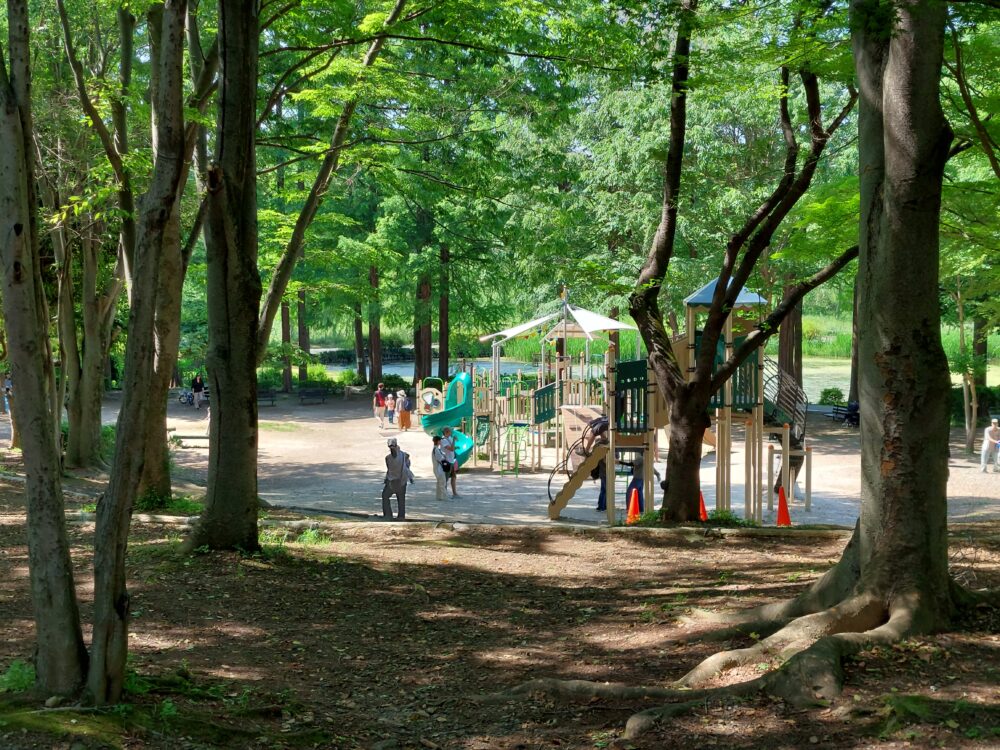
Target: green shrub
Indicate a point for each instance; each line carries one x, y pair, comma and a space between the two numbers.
349, 377
20, 676
989, 405
270, 377
729, 519
831, 397
395, 382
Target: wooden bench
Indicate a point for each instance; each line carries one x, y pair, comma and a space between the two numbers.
313, 395
839, 413
355, 390
266, 394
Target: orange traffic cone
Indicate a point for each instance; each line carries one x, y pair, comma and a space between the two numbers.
633, 507
783, 518
702, 513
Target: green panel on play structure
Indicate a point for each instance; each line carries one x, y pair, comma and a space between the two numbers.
545, 403
630, 397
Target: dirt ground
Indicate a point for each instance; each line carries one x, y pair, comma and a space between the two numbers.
360, 635
343, 633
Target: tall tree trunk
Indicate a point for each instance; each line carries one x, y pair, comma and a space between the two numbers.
286, 342
852, 396
155, 484
422, 350
903, 373
613, 336
230, 517
109, 642
444, 313
60, 657
374, 328
980, 332
790, 342
359, 344
303, 336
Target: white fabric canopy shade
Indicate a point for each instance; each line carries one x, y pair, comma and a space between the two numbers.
584, 323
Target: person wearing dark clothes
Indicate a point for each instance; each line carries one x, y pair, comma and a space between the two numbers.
198, 390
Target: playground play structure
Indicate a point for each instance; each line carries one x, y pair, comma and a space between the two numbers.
508, 420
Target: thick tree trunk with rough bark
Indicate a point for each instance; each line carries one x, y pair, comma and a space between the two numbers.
688, 422
852, 395
60, 658
444, 312
230, 517
903, 372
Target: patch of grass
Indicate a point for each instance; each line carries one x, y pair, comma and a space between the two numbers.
180, 505
19, 677
279, 426
970, 719
312, 537
730, 520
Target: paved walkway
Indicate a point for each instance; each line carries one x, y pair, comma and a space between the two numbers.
329, 458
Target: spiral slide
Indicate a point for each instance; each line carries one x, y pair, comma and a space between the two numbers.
457, 406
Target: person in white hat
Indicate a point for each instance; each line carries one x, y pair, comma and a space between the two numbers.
397, 474
403, 408
991, 447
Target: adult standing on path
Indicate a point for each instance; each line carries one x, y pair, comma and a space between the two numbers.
197, 390
404, 405
991, 447
378, 404
448, 448
397, 474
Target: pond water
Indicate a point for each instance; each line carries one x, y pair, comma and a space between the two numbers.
817, 373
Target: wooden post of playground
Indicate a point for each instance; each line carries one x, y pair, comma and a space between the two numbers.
727, 408
749, 503
808, 467
609, 483
770, 477
720, 452
786, 472
649, 443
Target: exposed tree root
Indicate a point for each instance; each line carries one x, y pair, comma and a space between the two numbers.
811, 649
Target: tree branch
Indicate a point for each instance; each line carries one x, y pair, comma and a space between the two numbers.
767, 328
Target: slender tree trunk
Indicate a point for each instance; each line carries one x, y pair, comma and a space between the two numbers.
303, 336
60, 657
903, 373
444, 319
230, 517
286, 341
374, 328
980, 332
422, 350
359, 344
109, 643
613, 336
155, 484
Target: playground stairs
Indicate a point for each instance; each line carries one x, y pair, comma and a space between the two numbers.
576, 480
784, 401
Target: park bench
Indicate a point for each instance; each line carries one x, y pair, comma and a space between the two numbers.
313, 395
355, 390
839, 413
266, 394
846, 415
